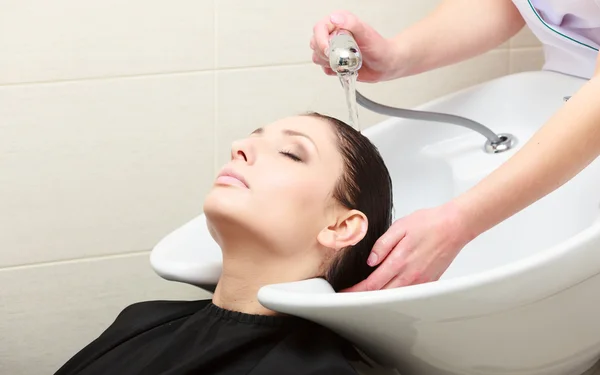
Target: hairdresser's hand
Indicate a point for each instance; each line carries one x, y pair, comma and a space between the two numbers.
416, 249
379, 57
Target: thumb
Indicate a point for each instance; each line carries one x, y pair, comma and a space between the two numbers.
348, 21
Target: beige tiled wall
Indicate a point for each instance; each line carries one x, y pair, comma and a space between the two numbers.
113, 118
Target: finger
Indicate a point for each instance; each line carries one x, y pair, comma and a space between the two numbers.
392, 266
404, 279
316, 50
324, 65
321, 33
318, 60
348, 21
321, 56
386, 243
360, 287
367, 285
329, 71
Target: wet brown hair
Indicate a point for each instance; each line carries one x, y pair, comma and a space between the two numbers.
365, 185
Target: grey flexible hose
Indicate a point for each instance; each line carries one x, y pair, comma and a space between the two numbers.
492, 137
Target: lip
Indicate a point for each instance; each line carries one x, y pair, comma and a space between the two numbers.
228, 176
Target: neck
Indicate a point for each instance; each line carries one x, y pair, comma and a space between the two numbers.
238, 292
246, 269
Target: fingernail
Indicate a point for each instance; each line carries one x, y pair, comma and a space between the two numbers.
336, 19
326, 51
372, 260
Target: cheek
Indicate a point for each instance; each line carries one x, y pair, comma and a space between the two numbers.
295, 193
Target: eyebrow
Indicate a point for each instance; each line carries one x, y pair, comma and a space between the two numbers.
288, 132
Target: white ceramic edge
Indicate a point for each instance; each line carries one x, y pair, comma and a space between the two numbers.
273, 295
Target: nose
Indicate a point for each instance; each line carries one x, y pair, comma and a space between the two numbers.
242, 151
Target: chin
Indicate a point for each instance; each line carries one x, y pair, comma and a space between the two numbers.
226, 210
231, 217
221, 204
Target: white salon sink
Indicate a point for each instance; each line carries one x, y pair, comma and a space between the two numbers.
430, 163
521, 299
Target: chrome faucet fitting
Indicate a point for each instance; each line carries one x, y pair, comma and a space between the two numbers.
344, 55
345, 58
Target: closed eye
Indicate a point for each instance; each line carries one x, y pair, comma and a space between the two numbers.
290, 155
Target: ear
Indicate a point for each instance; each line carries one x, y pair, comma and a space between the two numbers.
348, 230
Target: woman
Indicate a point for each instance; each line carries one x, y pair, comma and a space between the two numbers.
419, 247
304, 197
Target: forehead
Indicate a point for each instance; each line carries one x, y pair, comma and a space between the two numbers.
318, 130
308, 123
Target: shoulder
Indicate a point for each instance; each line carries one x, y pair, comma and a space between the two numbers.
132, 321
165, 306
312, 350
156, 312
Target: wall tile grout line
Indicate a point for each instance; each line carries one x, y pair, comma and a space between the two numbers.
215, 88
126, 254
152, 75
194, 71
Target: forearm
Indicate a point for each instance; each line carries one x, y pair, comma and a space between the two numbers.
456, 30
565, 145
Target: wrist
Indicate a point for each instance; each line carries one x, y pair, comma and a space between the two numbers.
398, 63
461, 221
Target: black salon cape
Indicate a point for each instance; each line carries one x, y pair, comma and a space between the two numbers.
199, 338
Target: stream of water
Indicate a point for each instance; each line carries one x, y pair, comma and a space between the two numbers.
349, 83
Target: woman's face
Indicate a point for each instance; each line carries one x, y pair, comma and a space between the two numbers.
279, 182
